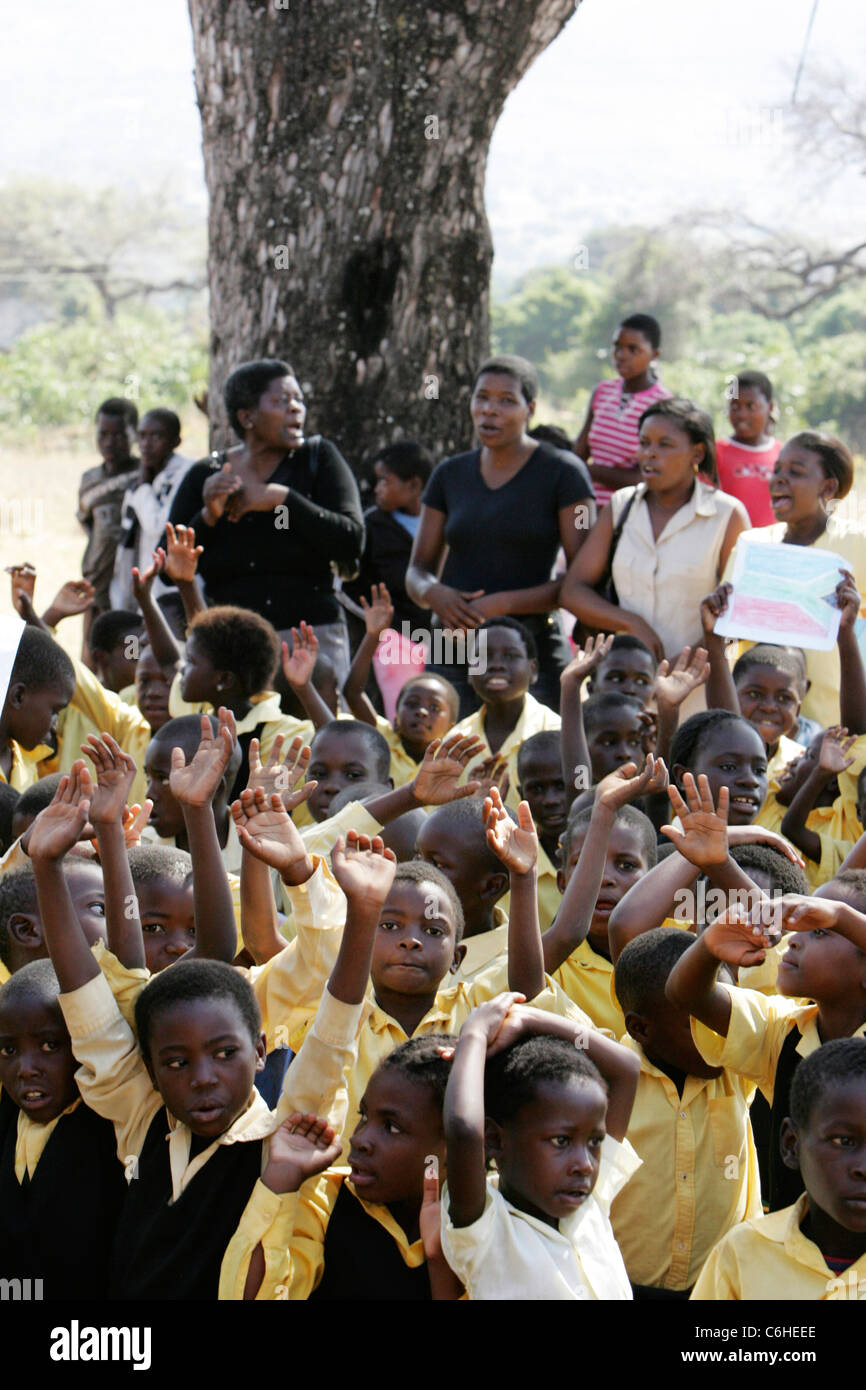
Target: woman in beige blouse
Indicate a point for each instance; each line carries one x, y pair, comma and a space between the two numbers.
675, 541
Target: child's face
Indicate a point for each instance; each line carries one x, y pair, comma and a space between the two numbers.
799, 487
749, 414
400, 1125
415, 944
821, 965
167, 815
37, 1068
664, 1032
795, 773
632, 353
624, 864
732, 756
32, 713
152, 689
87, 891
203, 1061
461, 862
112, 439
627, 671
423, 713
199, 678
115, 669
616, 739
155, 444
543, 786
549, 1153
509, 671
167, 914
770, 699
667, 456
831, 1154
337, 762
395, 494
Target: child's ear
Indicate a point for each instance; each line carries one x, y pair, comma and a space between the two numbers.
261, 1052
533, 666
493, 887
678, 771
16, 694
492, 1138
789, 1143
636, 1027
457, 961
25, 931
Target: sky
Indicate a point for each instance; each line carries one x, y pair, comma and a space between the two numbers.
637, 112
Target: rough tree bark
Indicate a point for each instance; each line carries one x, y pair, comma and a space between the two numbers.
345, 148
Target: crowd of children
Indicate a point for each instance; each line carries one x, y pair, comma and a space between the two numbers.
310, 992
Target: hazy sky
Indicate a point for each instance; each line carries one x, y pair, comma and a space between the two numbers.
638, 111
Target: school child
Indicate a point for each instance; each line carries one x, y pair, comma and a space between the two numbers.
427, 705
821, 818
22, 939
454, 838
745, 461
625, 665
540, 1228
100, 495
402, 471
343, 753
541, 785
167, 818
608, 440
61, 1184
689, 1126
115, 643
147, 503
369, 1231
41, 684
31, 802
181, 1097
152, 691
815, 1249
605, 851
764, 1037
507, 666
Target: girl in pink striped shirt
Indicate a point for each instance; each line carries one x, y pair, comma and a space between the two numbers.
609, 438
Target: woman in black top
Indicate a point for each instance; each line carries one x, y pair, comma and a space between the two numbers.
275, 511
502, 511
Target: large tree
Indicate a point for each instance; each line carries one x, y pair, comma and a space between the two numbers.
345, 148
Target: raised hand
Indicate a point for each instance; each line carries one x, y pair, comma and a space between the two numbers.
298, 668
848, 599
674, 683
714, 605
515, 845
835, 747
281, 776
302, 1147
797, 913
436, 780
135, 819
625, 783
379, 612
23, 588
493, 772
488, 1018
142, 583
364, 868
759, 835
73, 597
62, 823
115, 771
268, 832
586, 658
703, 839
735, 938
195, 785
181, 553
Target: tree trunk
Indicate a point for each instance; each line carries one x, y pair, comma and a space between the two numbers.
345, 149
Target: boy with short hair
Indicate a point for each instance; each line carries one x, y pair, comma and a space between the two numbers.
541, 785
745, 460
100, 495
402, 471
115, 644
41, 684
815, 1249
147, 503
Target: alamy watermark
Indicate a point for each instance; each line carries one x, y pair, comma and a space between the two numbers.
443, 646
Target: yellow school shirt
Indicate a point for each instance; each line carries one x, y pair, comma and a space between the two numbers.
786, 751
759, 1025
768, 1259
699, 1176
24, 770
485, 948
587, 979
291, 1230
403, 765
264, 709
95, 710
534, 719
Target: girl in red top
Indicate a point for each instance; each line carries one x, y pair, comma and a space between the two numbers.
746, 460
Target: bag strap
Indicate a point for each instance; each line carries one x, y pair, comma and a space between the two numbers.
615, 538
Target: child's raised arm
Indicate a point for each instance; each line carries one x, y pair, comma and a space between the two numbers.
721, 691
181, 563
435, 782
52, 835
852, 688
575, 752
464, 1110
674, 684
115, 771
162, 640
578, 903
298, 671
378, 615
517, 847
796, 913
692, 983
194, 787
833, 759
